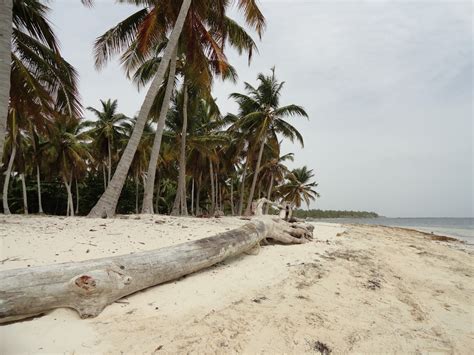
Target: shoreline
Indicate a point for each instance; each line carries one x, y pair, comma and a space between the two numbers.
353, 289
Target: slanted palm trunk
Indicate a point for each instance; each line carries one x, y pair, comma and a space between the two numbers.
155, 152
38, 183
107, 203
269, 194
255, 177
6, 183
5, 61
25, 197
179, 206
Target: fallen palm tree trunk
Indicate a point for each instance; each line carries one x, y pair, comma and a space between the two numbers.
89, 286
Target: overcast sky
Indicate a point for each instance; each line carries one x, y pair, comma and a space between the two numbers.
387, 85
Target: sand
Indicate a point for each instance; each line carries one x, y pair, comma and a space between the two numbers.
353, 289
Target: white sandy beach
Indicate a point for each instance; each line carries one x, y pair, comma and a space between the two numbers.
354, 289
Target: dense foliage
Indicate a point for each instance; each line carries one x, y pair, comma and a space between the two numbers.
334, 214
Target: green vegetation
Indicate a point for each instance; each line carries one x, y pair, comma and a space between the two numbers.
334, 214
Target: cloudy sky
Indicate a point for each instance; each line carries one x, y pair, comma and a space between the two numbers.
387, 85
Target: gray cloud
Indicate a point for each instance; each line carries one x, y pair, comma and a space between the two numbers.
387, 84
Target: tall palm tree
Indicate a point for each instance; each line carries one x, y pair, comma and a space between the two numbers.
5, 59
146, 37
106, 131
299, 187
262, 117
20, 17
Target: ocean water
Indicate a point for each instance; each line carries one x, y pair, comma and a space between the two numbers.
461, 228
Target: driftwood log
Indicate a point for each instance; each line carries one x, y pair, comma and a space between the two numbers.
89, 286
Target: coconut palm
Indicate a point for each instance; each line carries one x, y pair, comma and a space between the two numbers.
262, 117
106, 131
26, 36
67, 152
299, 187
157, 21
274, 171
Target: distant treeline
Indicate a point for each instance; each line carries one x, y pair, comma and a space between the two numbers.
333, 214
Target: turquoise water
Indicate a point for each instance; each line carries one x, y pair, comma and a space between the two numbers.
461, 228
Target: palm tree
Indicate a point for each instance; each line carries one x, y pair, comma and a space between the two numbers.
126, 34
275, 171
299, 188
262, 118
67, 152
142, 155
5, 60
106, 131
25, 30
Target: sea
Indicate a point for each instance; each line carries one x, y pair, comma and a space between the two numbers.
460, 228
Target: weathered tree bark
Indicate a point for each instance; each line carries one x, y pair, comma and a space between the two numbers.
179, 206
89, 286
107, 203
6, 182
25, 196
5, 62
147, 206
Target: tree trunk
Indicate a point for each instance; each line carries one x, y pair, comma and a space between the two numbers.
6, 183
198, 196
25, 196
5, 62
242, 186
179, 206
89, 286
38, 183
269, 194
136, 194
192, 196
109, 162
255, 177
155, 152
157, 200
232, 198
107, 203
77, 198
104, 173
70, 203
213, 193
